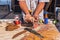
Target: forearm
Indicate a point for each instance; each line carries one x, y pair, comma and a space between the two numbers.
39, 8
24, 7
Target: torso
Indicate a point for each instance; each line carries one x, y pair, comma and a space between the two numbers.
33, 3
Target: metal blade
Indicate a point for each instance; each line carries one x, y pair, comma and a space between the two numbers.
34, 32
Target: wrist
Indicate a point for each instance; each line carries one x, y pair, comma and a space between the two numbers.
27, 13
35, 14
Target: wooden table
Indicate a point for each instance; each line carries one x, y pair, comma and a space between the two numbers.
7, 35
49, 32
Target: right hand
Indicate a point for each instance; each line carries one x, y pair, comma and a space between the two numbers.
28, 18
36, 18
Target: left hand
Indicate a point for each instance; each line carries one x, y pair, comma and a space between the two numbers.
36, 17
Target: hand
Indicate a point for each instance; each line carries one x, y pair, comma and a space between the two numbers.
36, 17
28, 18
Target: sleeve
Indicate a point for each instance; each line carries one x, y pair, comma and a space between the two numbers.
44, 0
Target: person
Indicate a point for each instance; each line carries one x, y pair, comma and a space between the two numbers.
32, 9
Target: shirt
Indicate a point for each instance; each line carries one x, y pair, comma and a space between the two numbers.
32, 4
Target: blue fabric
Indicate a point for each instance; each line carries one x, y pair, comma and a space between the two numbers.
45, 20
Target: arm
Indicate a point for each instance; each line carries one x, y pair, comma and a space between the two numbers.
39, 8
23, 6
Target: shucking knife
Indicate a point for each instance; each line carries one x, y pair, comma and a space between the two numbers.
34, 32
30, 30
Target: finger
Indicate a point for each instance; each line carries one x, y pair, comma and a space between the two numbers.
25, 20
32, 19
36, 19
28, 20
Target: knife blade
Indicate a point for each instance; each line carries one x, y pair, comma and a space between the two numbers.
30, 30
34, 32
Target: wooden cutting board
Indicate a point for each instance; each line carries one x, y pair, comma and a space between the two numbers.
49, 32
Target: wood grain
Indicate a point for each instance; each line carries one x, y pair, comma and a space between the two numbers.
49, 32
